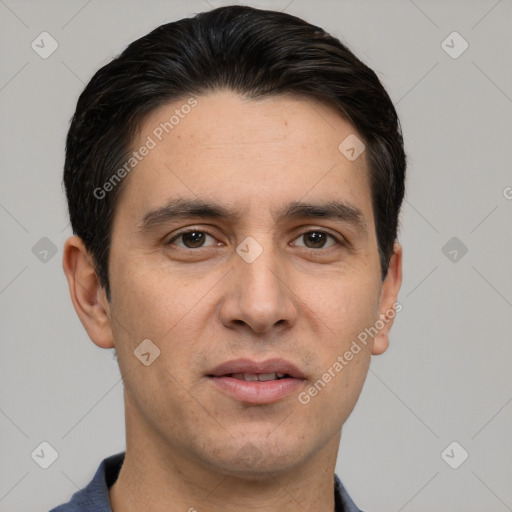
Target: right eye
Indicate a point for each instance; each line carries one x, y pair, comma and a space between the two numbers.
191, 239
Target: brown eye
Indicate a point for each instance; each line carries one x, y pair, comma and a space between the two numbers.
315, 239
193, 239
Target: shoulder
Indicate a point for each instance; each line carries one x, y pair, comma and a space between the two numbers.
94, 497
343, 502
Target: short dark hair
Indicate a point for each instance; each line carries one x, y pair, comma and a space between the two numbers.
256, 53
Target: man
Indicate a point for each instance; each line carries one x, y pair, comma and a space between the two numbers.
234, 183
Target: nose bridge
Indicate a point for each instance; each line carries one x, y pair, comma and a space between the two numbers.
259, 295
258, 269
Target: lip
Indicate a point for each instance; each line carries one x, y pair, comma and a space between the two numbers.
257, 392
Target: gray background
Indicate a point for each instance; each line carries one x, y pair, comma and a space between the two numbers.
446, 376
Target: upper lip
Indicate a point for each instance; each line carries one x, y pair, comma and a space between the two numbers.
256, 367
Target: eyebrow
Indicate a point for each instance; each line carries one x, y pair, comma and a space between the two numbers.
183, 208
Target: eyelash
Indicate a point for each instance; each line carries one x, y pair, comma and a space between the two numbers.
192, 230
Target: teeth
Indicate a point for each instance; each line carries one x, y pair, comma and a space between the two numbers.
260, 376
267, 376
245, 376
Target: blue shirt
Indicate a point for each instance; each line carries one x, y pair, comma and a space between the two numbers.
94, 497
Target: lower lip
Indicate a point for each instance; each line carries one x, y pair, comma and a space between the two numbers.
257, 392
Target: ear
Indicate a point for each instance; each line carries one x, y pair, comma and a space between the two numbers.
389, 305
88, 297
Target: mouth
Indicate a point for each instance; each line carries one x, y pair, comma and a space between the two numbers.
256, 383
262, 377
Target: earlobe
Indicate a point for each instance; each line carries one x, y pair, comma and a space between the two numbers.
86, 293
389, 305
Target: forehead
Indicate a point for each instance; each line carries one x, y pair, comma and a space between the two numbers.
244, 152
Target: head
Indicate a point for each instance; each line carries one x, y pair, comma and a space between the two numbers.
234, 183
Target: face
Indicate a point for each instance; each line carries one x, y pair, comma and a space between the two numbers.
217, 258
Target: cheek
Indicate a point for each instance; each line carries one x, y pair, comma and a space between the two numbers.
346, 306
147, 301
147, 306
345, 387
166, 309
345, 309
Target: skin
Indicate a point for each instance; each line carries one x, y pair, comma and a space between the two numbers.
189, 445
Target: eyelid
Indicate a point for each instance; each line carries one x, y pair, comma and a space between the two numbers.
339, 239
189, 229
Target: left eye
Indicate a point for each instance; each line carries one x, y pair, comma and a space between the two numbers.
192, 239
315, 239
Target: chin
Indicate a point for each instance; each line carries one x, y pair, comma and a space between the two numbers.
257, 457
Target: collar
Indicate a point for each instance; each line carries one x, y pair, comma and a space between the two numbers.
94, 497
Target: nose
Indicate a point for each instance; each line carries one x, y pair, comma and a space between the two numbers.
259, 295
